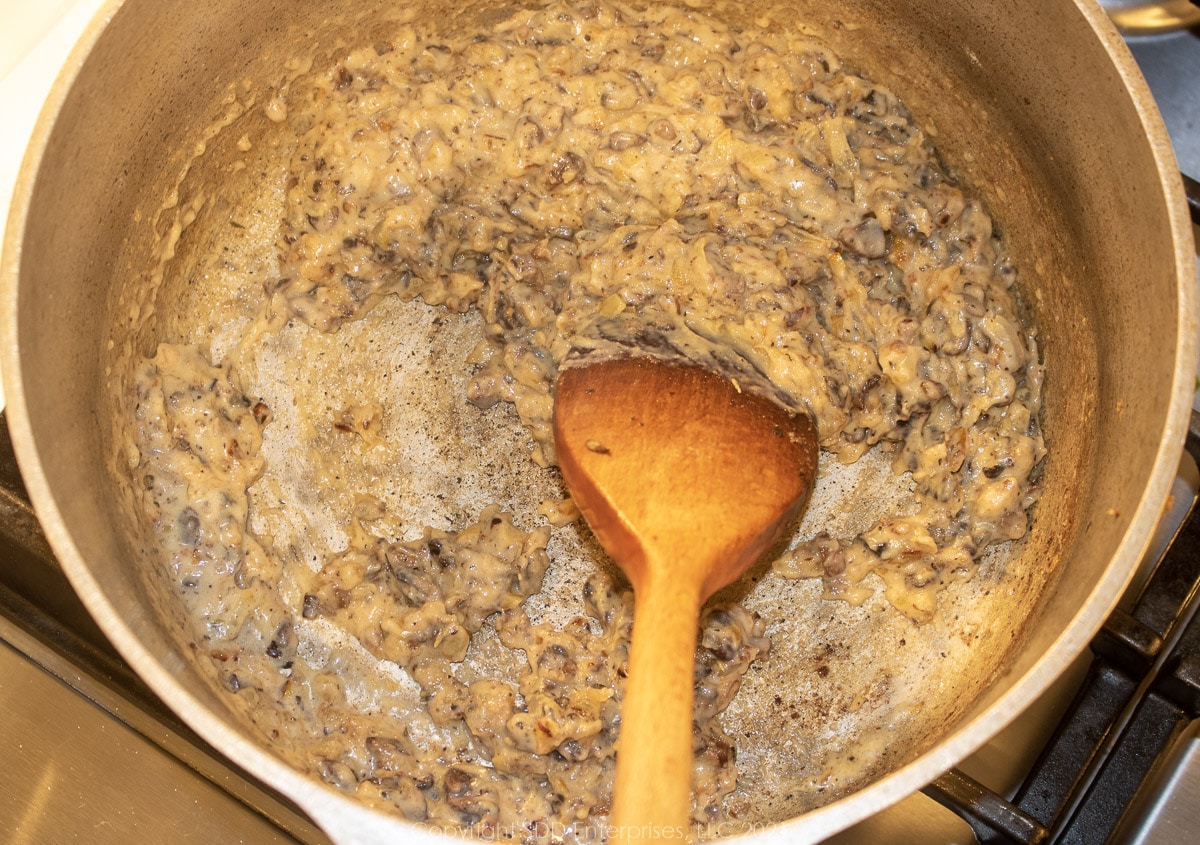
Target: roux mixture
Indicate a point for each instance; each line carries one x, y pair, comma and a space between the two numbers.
531, 184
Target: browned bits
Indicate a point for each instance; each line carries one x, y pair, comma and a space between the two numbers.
456, 781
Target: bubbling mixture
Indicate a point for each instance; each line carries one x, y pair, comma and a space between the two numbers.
531, 184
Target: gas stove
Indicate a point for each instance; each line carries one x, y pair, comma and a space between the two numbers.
1110, 754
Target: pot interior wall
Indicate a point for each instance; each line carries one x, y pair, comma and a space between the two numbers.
1028, 110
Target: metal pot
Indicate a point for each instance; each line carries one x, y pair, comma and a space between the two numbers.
1038, 105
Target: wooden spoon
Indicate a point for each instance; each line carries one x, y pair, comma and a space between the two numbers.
686, 480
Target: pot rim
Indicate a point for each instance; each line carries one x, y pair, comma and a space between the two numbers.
347, 820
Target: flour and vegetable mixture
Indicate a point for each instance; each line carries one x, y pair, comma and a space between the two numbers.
506, 192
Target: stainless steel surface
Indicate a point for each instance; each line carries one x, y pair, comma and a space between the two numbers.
916, 820
73, 773
1167, 810
1080, 181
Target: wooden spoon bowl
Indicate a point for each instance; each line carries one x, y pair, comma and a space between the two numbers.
686, 479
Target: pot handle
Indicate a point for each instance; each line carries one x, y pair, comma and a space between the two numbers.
988, 813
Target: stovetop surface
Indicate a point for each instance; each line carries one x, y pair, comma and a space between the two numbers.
1171, 64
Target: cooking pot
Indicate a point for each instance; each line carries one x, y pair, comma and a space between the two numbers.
1035, 104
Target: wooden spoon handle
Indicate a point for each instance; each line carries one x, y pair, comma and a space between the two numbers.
652, 796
